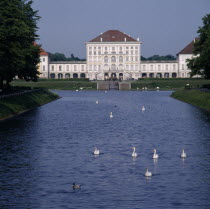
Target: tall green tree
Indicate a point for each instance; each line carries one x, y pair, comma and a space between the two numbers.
18, 54
200, 63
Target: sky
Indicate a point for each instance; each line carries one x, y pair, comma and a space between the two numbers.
163, 26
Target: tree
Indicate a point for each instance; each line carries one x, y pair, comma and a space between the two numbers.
200, 63
18, 54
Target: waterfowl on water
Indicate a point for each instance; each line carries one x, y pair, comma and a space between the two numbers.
155, 155
76, 186
143, 108
97, 102
134, 154
148, 173
111, 116
183, 155
96, 151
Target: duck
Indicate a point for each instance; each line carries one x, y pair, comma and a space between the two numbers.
97, 102
148, 173
183, 155
134, 154
96, 151
111, 116
76, 186
155, 155
143, 108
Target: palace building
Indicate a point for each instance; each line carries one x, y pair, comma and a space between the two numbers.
115, 55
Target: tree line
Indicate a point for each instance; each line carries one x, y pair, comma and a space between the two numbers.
61, 57
19, 56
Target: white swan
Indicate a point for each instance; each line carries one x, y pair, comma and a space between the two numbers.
111, 116
148, 173
96, 151
134, 154
143, 108
155, 155
183, 155
97, 102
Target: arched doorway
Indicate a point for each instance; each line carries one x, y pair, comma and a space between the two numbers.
144, 75
82, 75
75, 75
60, 75
166, 75
106, 76
159, 75
174, 75
67, 75
151, 75
113, 76
52, 75
121, 76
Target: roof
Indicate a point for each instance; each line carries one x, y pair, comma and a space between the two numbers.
113, 36
189, 48
42, 51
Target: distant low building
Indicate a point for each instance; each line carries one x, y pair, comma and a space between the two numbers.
115, 55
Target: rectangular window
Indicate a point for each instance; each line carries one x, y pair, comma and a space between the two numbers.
151, 67
131, 58
75, 68
166, 67
43, 68
82, 67
52, 67
137, 59
159, 67
144, 67
174, 67
127, 58
43, 59
67, 67
182, 66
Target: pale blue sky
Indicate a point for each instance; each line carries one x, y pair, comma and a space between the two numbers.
164, 26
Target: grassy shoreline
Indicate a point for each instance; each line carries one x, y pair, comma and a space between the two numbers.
15, 105
197, 98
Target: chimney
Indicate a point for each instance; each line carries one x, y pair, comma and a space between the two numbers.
101, 39
137, 39
125, 39
194, 40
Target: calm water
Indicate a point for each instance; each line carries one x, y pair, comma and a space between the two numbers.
47, 149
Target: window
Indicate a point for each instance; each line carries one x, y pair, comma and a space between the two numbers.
113, 67
120, 59
43, 59
52, 67
90, 68
136, 52
94, 52
131, 58
82, 67
113, 59
127, 67
182, 66
158, 67
43, 67
137, 59
105, 59
144, 67
99, 52
94, 67
131, 47
75, 68
90, 52
136, 47
60, 67
127, 52
136, 67
127, 58
151, 67
67, 67
132, 52
131, 67
99, 67
166, 67
174, 67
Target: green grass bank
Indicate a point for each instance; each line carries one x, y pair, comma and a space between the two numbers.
64, 84
17, 104
168, 83
195, 97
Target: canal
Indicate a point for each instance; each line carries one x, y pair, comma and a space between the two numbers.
44, 151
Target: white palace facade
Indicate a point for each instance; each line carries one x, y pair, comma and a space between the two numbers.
115, 55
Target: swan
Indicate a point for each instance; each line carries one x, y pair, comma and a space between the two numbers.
183, 155
111, 116
77, 90
76, 186
97, 102
143, 108
134, 154
96, 151
155, 156
148, 173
